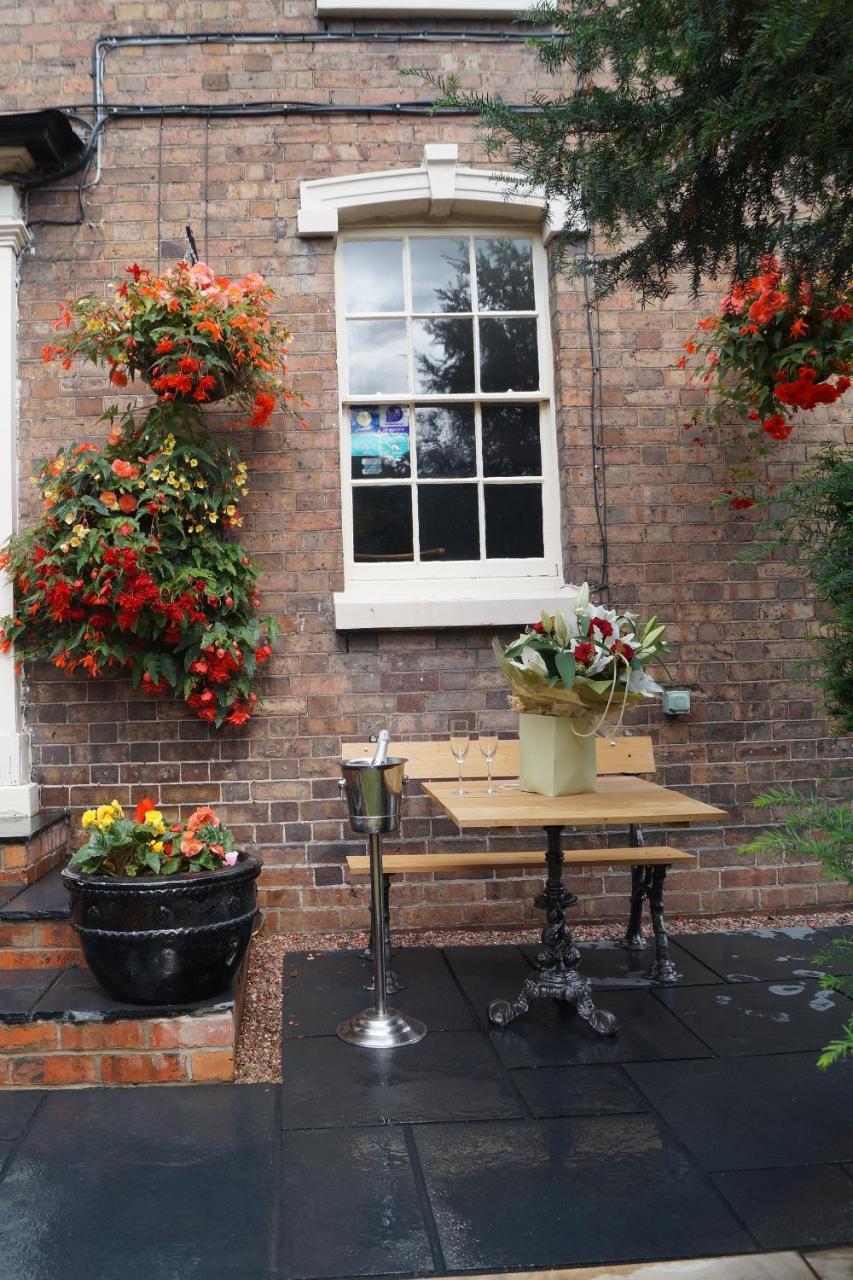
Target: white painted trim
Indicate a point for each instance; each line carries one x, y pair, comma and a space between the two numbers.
439, 188
422, 8
18, 796
442, 604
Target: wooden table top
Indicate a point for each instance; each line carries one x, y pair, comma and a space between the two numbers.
617, 802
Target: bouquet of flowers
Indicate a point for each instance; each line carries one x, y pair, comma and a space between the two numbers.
582, 664
192, 335
144, 845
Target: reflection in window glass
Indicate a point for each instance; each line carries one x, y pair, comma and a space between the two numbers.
449, 522
511, 440
445, 441
378, 357
441, 274
504, 274
373, 274
379, 442
509, 355
382, 522
444, 356
513, 521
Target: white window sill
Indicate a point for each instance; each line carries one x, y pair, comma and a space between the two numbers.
393, 606
422, 8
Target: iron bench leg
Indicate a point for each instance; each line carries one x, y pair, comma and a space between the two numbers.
662, 968
392, 982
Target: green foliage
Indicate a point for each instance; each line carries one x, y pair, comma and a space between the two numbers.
705, 134
813, 517
839, 956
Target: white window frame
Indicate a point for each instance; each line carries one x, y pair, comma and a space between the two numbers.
422, 8
444, 198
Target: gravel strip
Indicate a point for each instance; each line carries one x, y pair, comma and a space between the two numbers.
258, 1058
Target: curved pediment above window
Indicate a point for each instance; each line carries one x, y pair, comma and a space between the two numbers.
439, 188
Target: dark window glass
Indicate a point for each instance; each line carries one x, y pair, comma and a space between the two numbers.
449, 522
445, 441
379, 441
513, 521
509, 355
378, 359
373, 274
444, 355
382, 522
504, 274
511, 440
441, 275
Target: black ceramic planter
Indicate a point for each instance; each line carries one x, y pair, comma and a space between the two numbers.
169, 940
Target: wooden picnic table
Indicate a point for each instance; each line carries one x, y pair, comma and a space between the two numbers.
619, 801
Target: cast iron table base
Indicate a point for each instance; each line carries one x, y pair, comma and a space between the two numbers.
558, 977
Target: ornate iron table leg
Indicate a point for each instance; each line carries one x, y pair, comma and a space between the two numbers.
557, 962
662, 968
633, 940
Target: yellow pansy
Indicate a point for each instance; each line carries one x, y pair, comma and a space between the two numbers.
89, 818
154, 819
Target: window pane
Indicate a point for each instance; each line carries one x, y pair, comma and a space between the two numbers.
378, 359
513, 521
373, 272
445, 441
441, 275
379, 441
449, 522
382, 522
511, 440
509, 355
444, 355
504, 274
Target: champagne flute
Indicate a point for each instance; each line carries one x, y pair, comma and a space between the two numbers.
488, 744
459, 744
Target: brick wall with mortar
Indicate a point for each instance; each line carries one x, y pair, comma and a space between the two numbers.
737, 630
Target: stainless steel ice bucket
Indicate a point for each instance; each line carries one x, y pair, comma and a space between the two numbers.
373, 793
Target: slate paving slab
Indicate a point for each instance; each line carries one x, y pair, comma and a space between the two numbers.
76, 995
451, 1075
320, 993
362, 1182
609, 966
488, 973
578, 1091
760, 1017
553, 1034
47, 899
754, 1113
16, 1109
569, 1191
21, 990
146, 1184
758, 955
792, 1208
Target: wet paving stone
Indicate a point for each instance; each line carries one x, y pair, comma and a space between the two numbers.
570, 1191
16, 1109
145, 1184
360, 1182
47, 899
21, 990
487, 973
610, 967
553, 1035
451, 1075
76, 996
754, 1113
319, 993
792, 1208
578, 1091
758, 955
784, 1016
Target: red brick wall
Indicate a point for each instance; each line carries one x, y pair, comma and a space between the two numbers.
738, 630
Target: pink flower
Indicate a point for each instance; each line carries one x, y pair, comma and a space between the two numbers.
231, 858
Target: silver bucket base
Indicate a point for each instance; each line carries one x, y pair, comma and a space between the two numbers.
373, 1030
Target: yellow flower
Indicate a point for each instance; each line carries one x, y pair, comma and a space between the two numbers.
63, 547
199, 484
193, 462
70, 518
212, 517
230, 509
156, 475
89, 818
74, 542
116, 808
156, 846
172, 479
80, 530
154, 819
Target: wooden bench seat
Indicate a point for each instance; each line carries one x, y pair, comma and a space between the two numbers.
397, 864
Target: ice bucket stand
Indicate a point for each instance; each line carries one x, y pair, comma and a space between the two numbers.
373, 792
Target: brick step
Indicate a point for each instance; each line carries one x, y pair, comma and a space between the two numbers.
58, 1029
34, 928
29, 847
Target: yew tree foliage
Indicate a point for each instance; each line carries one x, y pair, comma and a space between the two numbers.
709, 132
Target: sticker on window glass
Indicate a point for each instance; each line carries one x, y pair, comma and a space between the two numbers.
379, 442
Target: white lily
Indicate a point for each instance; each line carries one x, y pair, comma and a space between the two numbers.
640, 682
